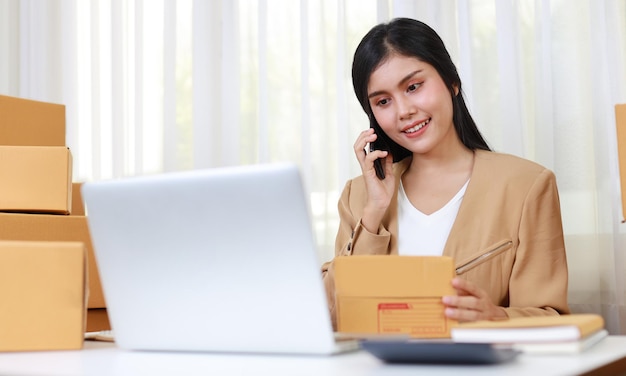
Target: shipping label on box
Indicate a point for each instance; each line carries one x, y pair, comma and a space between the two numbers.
38, 278
36, 179
26, 122
393, 295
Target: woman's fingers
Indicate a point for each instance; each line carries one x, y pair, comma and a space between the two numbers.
464, 308
464, 287
464, 302
366, 158
471, 303
462, 315
362, 141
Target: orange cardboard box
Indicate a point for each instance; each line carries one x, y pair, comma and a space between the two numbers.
393, 295
620, 124
48, 227
97, 316
31, 123
36, 179
38, 277
63, 228
97, 320
78, 206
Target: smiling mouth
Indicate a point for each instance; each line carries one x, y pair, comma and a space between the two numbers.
417, 127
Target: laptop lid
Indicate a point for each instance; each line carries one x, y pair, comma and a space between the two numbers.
219, 259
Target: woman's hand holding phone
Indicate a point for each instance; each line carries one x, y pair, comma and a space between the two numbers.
379, 191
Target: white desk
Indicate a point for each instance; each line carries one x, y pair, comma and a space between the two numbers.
100, 358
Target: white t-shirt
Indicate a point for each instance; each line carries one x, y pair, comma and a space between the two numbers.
425, 235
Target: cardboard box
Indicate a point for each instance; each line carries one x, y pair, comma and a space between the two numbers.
78, 206
620, 124
36, 179
97, 316
38, 277
97, 320
31, 123
393, 295
48, 227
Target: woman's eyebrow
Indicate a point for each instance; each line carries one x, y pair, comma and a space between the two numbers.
402, 81
409, 76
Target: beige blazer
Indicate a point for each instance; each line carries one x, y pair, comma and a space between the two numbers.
507, 237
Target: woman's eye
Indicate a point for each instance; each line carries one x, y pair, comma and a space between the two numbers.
413, 87
382, 102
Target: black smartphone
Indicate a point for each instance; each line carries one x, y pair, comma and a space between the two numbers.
379, 144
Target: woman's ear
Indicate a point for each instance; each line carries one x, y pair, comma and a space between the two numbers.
455, 89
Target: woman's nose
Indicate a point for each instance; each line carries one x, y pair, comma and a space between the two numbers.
406, 108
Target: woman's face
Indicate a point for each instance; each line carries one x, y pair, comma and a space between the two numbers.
412, 104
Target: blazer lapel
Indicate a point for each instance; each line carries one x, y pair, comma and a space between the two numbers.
465, 223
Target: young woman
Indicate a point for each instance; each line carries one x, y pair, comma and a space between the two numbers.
444, 192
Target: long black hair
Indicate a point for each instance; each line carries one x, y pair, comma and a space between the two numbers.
412, 38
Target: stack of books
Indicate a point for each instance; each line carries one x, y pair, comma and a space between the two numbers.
572, 333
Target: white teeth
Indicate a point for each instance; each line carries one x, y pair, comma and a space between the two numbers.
417, 127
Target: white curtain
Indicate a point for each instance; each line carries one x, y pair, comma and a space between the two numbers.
163, 85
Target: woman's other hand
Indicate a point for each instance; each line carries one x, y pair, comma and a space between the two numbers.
471, 303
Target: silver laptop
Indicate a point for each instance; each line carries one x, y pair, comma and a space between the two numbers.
211, 260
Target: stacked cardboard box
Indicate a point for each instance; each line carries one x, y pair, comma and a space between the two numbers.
42, 288
39, 202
